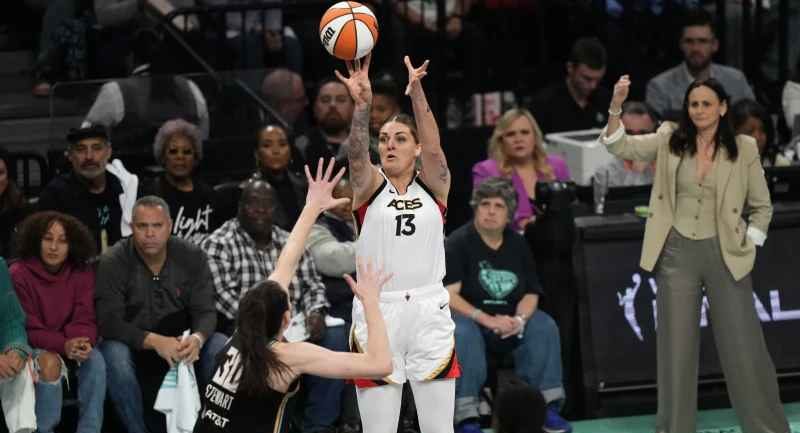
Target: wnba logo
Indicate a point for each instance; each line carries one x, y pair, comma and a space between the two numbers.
326, 37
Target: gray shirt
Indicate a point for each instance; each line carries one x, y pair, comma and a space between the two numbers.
665, 92
109, 107
130, 301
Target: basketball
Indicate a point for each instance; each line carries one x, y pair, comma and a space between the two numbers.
348, 30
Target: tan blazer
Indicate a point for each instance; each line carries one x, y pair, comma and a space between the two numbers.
740, 184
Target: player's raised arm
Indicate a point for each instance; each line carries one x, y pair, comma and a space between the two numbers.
363, 175
435, 172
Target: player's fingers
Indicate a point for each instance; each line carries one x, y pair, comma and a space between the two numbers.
350, 281
367, 61
407, 61
329, 170
308, 174
424, 66
320, 164
340, 76
338, 176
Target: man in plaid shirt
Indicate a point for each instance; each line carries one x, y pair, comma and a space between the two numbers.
244, 251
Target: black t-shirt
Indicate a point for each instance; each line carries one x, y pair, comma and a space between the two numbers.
492, 280
101, 212
555, 110
194, 213
225, 410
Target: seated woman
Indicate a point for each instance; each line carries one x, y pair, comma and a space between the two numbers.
55, 286
16, 382
750, 118
273, 155
257, 371
13, 207
193, 204
516, 151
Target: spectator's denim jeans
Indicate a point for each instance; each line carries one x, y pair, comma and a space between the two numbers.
91, 395
123, 385
324, 396
537, 361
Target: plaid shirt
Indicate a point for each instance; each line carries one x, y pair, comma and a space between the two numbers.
236, 265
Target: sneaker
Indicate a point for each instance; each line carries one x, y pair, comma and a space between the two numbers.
553, 423
469, 427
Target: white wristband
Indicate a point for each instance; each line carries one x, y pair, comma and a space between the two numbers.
475, 313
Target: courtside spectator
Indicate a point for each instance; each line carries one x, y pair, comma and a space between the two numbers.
13, 207
242, 253
133, 109
150, 288
516, 151
333, 110
579, 101
16, 381
748, 117
193, 203
385, 105
98, 194
698, 43
638, 119
55, 286
285, 91
494, 292
332, 246
273, 158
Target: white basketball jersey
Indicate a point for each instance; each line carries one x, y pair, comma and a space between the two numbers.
404, 234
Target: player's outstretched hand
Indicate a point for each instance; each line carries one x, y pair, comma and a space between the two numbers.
415, 74
370, 280
320, 187
357, 81
621, 89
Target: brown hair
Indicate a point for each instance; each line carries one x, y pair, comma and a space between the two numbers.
497, 149
407, 120
12, 197
29, 240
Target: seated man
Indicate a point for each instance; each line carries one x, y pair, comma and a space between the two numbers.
665, 91
638, 119
244, 251
150, 288
494, 291
16, 382
97, 193
579, 101
332, 246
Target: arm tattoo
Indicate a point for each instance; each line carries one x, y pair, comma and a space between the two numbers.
358, 148
444, 171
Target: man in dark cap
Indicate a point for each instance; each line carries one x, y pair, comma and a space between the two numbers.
98, 193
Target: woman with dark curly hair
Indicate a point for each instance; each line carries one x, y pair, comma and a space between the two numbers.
13, 207
55, 286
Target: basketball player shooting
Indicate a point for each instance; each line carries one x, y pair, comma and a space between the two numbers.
400, 216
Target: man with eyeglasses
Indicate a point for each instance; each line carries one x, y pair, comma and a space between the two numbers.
699, 43
98, 193
638, 119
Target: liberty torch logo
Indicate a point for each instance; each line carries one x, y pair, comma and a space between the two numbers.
626, 299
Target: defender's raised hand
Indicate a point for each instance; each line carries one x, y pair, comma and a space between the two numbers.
320, 187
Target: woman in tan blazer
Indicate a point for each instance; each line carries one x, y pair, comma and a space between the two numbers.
696, 238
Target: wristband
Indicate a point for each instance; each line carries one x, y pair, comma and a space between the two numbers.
615, 113
475, 313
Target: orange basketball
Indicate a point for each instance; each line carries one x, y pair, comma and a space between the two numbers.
348, 30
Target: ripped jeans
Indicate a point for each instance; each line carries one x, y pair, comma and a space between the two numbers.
91, 395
